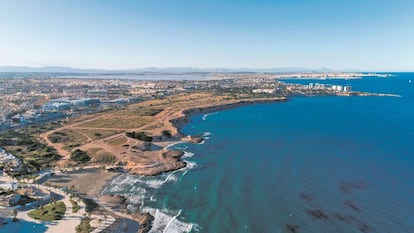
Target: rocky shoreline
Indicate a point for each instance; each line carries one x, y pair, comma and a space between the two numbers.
188, 113
145, 220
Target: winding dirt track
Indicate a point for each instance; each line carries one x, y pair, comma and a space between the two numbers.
161, 119
128, 149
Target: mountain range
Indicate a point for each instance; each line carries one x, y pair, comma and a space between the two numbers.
63, 69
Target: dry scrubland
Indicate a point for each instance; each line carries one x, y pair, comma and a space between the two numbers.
103, 135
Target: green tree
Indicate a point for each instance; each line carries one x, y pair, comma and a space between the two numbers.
14, 215
166, 133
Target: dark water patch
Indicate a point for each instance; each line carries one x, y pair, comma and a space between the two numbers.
352, 205
290, 228
352, 220
363, 227
350, 186
344, 218
317, 214
306, 197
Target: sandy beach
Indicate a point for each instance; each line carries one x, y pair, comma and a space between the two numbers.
88, 181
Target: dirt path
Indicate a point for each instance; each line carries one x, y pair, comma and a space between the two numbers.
161, 121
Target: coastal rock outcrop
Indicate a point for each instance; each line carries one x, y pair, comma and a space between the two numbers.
165, 165
114, 201
145, 221
173, 154
193, 139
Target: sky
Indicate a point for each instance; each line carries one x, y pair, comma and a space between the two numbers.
370, 35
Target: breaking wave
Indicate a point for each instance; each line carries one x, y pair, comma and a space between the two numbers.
173, 144
206, 134
204, 117
140, 191
165, 221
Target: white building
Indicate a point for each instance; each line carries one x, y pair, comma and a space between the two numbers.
347, 88
269, 91
338, 88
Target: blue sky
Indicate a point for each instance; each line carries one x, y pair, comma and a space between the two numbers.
347, 34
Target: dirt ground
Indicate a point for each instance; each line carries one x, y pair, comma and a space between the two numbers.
91, 181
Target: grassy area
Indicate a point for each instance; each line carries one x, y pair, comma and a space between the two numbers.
51, 212
74, 139
118, 141
98, 134
100, 155
113, 120
82, 118
24, 144
75, 206
58, 137
152, 127
80, 156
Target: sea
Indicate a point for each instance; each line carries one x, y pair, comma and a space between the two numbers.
311, 164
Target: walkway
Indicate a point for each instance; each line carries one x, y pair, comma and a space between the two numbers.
65, 225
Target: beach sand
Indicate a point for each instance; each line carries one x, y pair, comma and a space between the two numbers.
89, 181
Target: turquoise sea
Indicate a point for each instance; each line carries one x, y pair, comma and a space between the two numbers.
312, 164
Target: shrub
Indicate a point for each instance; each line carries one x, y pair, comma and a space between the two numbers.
142, 136
166, 133
79, 156
90, 205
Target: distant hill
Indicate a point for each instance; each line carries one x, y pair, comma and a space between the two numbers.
46, 69
63, 69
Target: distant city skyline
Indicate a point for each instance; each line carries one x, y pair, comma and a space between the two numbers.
118, 35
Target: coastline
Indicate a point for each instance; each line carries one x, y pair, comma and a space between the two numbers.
179, 122
175, 118
145, 219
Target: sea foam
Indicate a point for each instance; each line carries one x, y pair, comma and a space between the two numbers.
166, 222
204, 117
138, 191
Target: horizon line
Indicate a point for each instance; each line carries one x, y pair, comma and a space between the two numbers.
195, 69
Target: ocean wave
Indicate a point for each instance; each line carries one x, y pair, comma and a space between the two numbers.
204, 117
190, 165
202, 142
135, 201
119, 183
166, 222
173, 144
183, 148
187, 154
205, 134
127, 183
205, 137
139, 192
